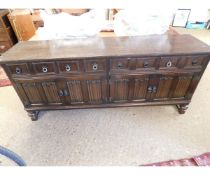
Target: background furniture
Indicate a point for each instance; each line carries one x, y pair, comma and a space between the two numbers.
106, 72
22, 24
7, 35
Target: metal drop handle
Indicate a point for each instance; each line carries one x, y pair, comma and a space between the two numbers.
169, 64
44, 69
150, 89
95, 66
120, 66
194, 62
18, 70
68, 68
146, 64
60, 93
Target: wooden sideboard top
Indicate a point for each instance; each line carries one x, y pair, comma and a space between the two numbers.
151, 45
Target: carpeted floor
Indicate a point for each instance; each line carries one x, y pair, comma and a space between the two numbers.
112, 136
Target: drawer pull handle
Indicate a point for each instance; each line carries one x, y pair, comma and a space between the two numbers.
68, 68
2, 47
169, 64
146, 64
18, 70
60, 93
44, 69
95, 66
150, 89
120, 66
65, 92
194, 62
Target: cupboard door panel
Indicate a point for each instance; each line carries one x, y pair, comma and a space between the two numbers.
194, 82
140, 88
120, 90
33, 93
75, 91
22, 94
94, 88
51, 92
183, 83
164, 87
39, 93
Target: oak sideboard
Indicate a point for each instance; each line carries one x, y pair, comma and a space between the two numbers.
106, 72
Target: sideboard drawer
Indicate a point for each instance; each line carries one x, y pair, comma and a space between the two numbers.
95, 65
146, 63
168, 62
44, 68
69, 66
194, 62
119, 64
18, 69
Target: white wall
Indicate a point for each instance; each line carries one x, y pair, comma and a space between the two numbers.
199, 8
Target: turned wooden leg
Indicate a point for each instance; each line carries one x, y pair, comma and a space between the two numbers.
33, 115
182, 108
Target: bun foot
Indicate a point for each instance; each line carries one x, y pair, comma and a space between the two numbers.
33, 115
182, 108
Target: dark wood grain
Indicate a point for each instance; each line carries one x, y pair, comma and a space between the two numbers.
107, 46
121, 72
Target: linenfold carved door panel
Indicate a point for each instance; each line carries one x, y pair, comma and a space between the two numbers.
91, 90
39, 93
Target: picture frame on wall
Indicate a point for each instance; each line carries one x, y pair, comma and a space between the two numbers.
181, 17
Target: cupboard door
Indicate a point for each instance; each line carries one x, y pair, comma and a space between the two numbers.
181, 86
164, 86
38, 93
152, 87
87, 90
51, 92
140, 88
34, 93
96, 89
130, 88
119, 89
75, 91
174, 86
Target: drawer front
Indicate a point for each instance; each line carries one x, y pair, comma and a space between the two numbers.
18, 69
194, 62
168, 62
95, 65
69, 67
4, 46
119, 64
44, 68
146, 63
